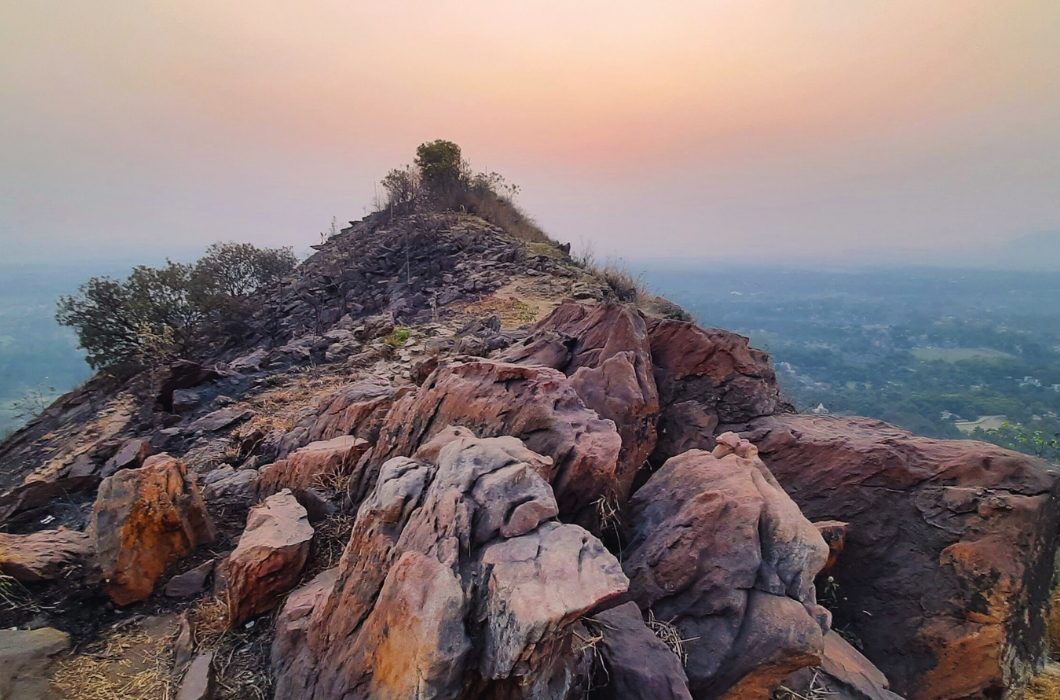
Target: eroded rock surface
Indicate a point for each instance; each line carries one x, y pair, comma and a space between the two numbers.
604, 350
455, 583
719, 550
535, 404
706, 377
47, 555
947, 565
143, 520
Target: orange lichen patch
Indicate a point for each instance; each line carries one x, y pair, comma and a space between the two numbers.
953, 675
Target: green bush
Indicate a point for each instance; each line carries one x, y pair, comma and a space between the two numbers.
160, 313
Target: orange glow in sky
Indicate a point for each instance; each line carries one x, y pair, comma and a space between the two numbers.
734, 128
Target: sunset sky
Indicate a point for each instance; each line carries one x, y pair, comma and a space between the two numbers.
749, 130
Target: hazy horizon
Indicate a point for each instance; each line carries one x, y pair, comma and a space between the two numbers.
816, 131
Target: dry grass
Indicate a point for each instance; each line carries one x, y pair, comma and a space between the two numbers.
126, 665
329, 542
278, 406
209, 620
670, 636
1044, 687
15, 596
817, 690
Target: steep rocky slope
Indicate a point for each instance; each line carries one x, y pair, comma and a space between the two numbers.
439, 462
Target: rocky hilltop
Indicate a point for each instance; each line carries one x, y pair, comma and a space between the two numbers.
442, 462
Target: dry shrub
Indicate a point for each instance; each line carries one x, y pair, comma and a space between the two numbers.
670, 636
329, 542
502, 212
817, 690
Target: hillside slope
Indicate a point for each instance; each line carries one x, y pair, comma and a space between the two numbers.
439, 461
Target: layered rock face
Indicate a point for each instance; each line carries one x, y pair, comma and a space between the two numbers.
722, 553
535, 404
946, 571
457, 582
706, 377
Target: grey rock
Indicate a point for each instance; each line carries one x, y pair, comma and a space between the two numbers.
189, 583
25, 659
220, 419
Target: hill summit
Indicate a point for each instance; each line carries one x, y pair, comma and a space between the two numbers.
441, 460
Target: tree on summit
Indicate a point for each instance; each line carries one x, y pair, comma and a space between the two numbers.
442, 168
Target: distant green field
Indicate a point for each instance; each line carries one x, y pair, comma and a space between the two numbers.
960, 354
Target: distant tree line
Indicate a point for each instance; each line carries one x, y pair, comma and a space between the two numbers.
156, 314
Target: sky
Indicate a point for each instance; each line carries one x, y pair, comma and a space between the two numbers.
817, 130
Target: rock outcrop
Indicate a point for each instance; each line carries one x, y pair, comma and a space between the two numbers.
535, 404
947, 566
143, 520
706, 377
720, 551
844, 674
269, 558
604, 350
455, 583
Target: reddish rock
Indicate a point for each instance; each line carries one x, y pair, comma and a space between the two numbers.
442, 555
358, 410
293, 620
535, 404
47, 555
947, 565
270, 557
604, 350
636, 663
131, 456
706, 376
844, 674
317, 465
719, 549
143, 520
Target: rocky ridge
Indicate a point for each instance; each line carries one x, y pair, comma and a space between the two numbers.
440, 462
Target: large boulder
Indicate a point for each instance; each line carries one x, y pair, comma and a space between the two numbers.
456, 582
270, 557
604, 350
536, 404
143, 520
706, 377
47, 555
719, 551
947, 564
